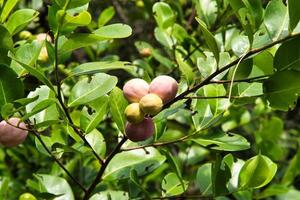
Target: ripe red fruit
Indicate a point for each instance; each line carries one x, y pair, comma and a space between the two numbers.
135, 89
165, 87
140, 131
11, 136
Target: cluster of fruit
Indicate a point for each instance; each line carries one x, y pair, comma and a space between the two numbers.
12, 132
146, 100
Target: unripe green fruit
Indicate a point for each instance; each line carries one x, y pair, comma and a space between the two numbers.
133, 113
140, 131
11, 136
24, 35
165, 87
135, 89
43, 56
151, 104
27, 196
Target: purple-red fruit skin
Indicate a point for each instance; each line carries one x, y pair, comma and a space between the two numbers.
140, 131
165, 87
11, 136
135, 89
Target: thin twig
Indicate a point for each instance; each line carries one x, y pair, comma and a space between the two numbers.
223, 97
103, 167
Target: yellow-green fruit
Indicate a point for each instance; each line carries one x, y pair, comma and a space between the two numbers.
151, 104
24, 35
27, 196
134, 114
43, 56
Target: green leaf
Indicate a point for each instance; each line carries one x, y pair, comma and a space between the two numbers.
99, 107
209, 38
101, 66
171, 185
39, 107
69, 22
204, 179
257, 172
50, 113
87, 90
292, 171
207, 11
11, 87
135, 180
55, 185
222, 141
143, 161
294, 14
20, 19
8, 7
6, 44
209, 111
276, 19
110, 195
114, 31
118, 103
34, 72
71, 3
185, 68
79, 40
163, 15
288, 55
96, 140
106, 15
264, 61
282, 89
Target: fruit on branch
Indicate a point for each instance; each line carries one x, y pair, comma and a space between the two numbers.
165, 87
135, 89
41, 37
27, 196
133, 113
10, 135
25, 35
140, 131
151, 104
145, 52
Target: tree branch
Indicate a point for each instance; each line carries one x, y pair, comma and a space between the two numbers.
103, 167
228, 66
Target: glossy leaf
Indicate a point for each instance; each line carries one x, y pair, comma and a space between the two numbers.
7, 8
8, 91
209, 38
20, 19
114, 31
143, 162
106, 15
222, 141
294, 15
276, 19
110, 195
96, 140
171, 185
56, 185
204, 180
288, 55
118, 103
163, 14
282, 89
257, 172
87, 90
71, 3
96, 67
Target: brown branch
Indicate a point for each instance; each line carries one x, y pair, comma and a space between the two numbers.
228, 66
222, 97
103, 167
246, 80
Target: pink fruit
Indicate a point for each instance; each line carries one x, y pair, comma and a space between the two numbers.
11, 136
135, 89
165, 87
140, 131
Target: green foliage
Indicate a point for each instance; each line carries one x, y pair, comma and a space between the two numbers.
231, 133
